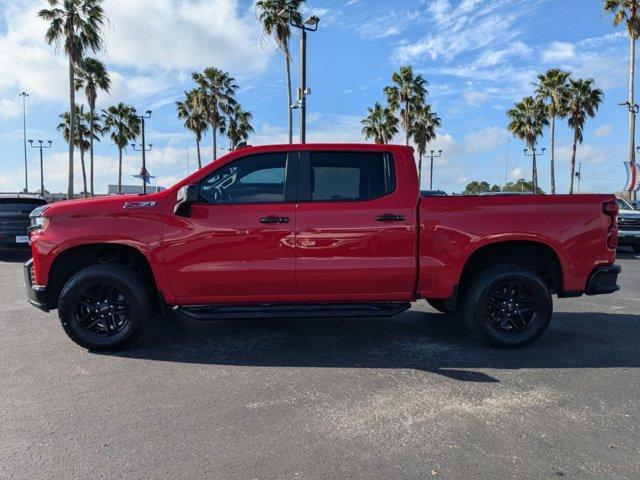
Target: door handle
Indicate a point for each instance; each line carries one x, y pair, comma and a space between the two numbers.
390, 217
274, 219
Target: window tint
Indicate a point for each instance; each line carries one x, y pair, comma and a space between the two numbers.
345, 176
254, 179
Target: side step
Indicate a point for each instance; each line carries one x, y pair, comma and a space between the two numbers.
313, 310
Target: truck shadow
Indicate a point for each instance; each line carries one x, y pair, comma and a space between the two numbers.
414, 340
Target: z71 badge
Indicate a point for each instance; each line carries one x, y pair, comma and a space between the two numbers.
139, 205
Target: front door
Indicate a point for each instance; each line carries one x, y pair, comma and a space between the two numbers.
238, 244
356, 236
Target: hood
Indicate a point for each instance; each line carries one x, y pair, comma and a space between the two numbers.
99, 205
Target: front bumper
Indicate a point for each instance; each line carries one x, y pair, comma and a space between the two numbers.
36, 294
628, 237
603, 280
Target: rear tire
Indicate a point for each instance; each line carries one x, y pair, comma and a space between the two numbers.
507, 306
636, 248
440, 305
104, 307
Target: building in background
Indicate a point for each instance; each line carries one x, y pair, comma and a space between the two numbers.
133, 189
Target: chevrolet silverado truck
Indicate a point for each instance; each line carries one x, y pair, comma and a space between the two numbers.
315, 231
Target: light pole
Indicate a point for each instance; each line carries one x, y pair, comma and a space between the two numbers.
24, 96
41, 147
506, 165
534, 168
432, 155
633, 108
143, 149
579, 175
309, 25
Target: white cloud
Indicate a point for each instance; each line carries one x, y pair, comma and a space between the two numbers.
10, 108
559, 52
202, 33
475, 98
517, 173
603, 130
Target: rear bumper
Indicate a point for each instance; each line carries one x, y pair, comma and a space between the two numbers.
603, 280
36, 294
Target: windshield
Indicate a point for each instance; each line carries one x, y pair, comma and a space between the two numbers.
623, 204
19, 206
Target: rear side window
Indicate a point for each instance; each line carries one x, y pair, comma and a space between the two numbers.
350, 176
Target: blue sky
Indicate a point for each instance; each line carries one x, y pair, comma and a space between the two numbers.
479, 56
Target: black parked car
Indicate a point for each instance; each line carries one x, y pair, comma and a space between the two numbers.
14, 218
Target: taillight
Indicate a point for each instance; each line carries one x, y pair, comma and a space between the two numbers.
611, 210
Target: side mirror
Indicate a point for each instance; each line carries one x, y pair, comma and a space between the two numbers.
187, 196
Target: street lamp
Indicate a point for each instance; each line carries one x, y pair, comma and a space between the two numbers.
308, 25
143, 148
41, 147
534, 172
633, 108
432, 156
24, 96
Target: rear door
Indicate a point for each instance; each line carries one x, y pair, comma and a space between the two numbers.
355, 227
238, 244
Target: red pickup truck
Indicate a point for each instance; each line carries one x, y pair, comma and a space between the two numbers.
316, 230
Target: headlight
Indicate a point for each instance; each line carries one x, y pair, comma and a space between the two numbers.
37, 218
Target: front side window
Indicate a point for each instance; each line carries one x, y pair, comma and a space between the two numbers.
349, 176
253, 179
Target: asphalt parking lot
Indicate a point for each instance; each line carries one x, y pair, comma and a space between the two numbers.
405, 397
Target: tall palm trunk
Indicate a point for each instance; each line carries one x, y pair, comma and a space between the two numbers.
92, 110
553, 154
198, 150
632, 115
72, 126
215, 142
573, 163
289, 95
407, 117
420, 171
120, 172
84, 174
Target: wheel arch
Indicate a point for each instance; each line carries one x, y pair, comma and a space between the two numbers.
538, 256
70, 261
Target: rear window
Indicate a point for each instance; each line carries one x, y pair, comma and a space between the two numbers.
349, 176
19, 205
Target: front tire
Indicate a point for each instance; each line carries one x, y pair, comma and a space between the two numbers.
507, 306
636, 248
104, 307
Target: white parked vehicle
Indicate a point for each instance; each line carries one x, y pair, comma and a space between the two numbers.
628, 226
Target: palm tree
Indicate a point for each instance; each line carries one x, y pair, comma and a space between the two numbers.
407, 94
219, 89
239, 126
83, 134
191, 110
551, 89
279, 28
527, 121
380, 124
124, 125
76, 24
92, 75
582, 102
424, 131
627, 12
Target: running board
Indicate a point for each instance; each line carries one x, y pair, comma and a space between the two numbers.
226, 312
